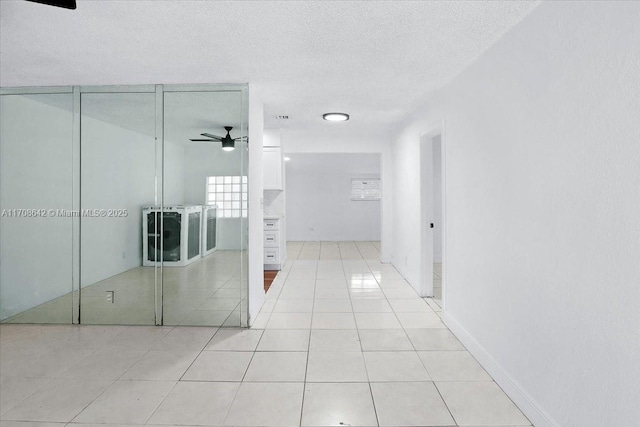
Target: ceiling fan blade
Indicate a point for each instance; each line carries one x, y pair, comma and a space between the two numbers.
67, 4
203, 140
219, 138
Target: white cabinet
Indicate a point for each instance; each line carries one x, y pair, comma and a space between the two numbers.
272, 238
271, 224
271, 256
274, 248
272, 176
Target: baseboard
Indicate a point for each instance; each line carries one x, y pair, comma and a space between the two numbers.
405, 275
527, 404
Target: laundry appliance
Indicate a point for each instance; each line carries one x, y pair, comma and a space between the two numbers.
171, 235
209, 229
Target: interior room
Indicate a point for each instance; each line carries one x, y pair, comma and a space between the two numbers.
319, 213
344, 204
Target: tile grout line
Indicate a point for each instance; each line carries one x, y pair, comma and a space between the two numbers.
364, 360
90, 403
306, 368
445, 403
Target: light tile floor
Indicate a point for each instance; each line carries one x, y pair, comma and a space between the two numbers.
371, 353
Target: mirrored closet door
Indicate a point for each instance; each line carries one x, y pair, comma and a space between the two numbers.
205, 184
124, 205
118, 180
36, 202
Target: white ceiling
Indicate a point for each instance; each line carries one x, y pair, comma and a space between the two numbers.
376, 60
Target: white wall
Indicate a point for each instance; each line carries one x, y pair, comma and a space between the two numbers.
319, 205
256, 223
116, 174
35, 173
542, 233
334, 142
174, 173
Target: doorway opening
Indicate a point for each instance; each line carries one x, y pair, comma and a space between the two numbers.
432, 215
333, 206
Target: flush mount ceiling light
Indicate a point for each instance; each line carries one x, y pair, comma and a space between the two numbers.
336, 117
286, 159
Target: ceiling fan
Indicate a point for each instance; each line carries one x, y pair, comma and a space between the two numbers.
228, 143
67, 4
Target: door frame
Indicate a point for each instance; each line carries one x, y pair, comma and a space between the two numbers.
426, 215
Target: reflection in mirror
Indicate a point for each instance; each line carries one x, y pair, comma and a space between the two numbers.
35, 198
118, 177
148, 230
204, 213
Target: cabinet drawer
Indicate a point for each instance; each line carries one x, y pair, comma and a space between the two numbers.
271, 256
271, 238
271, 224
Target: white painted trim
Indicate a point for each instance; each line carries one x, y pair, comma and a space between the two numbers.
244, 270
206, 87
443, 191
158, 270
255, 294
120, 89
37, 90
527, 404
425, 279
425, 275
75, 205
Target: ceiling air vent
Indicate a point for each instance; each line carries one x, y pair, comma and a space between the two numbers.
282, 117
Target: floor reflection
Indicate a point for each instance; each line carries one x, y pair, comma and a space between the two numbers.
207, 292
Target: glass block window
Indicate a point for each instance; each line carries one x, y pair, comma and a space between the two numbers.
365, 189
229, 193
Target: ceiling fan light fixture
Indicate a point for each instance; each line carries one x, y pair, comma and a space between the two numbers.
228, 143
336, 117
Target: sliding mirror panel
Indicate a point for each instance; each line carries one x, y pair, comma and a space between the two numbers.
118, 239
36, 201
204, 213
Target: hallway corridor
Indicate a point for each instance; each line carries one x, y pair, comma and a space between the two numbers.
342, 341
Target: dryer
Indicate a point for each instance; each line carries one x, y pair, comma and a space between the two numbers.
178, 242
209, 229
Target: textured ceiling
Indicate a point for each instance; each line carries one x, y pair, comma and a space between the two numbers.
377, 60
